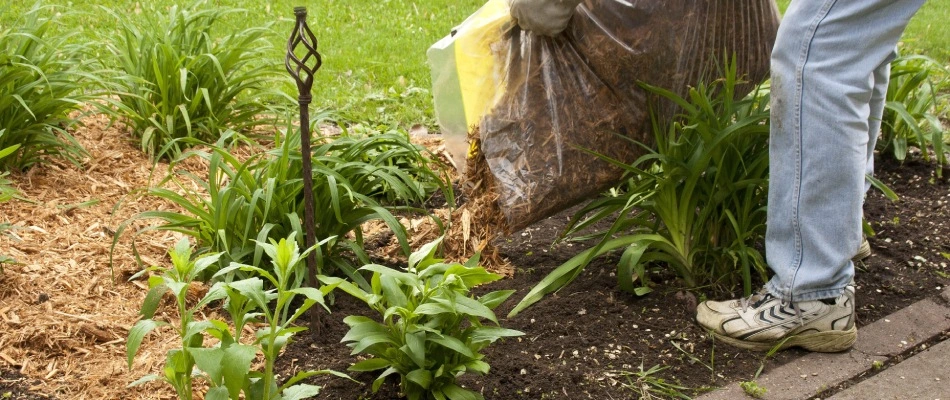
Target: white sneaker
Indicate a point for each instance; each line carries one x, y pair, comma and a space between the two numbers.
864, 251
763, 322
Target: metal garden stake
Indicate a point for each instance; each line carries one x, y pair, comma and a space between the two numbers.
302, 68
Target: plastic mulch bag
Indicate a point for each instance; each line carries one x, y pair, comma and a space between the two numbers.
538, 105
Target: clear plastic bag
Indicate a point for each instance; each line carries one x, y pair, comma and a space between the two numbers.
540, 104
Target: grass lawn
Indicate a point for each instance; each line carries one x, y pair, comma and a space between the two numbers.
374, 50
927, 33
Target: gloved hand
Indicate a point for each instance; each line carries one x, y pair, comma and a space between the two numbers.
544, 17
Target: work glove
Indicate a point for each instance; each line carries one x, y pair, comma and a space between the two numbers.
544, 17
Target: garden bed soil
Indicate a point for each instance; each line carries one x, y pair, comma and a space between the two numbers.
64, 320
590, 339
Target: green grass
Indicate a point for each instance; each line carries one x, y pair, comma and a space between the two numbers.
928, 32
375, 67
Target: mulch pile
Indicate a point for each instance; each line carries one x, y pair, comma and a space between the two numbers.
64, 318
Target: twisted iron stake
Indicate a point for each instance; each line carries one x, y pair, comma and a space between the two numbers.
303, 70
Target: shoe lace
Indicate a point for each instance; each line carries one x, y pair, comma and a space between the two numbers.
755, 299
762, 296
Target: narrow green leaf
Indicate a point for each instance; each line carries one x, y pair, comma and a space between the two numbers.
217, 393
491, 334
236, 365
421, 377
371, 364
453, 344
209, 361
382, 378
300, 391
416, 348
494, 299
145, 379
472, 307
456, 392
136, 334
152, 300
478, 366
566, 272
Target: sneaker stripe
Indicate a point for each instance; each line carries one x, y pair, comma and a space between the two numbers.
787, 311
784, 326
846, 318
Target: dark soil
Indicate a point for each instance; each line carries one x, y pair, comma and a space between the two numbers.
14, 386
590, 340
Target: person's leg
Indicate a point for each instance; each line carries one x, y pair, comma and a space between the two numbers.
882, 76
823, 80
825, 68
878, 98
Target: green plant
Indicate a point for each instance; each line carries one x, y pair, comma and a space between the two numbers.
6, 189
42, 81
178, 83
752, 388
695, 203
431, 330
6, 193
911, 113
226, 366
261, 198
647, 385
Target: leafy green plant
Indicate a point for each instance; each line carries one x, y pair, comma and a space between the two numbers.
226, 366
911, 112
431, 330
695, 202
178, 83
752, 388
6, 189
356, 179
42, 81
647, 385
6, 193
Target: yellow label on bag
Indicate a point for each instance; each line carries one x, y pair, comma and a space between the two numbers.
479, 81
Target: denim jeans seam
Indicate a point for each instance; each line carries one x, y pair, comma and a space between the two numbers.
805, 52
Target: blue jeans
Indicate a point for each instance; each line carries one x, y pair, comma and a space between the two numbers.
830, 68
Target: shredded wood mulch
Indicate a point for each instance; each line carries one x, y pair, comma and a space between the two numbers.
64, 313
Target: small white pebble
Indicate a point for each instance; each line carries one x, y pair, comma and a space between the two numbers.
803, 376
524, 371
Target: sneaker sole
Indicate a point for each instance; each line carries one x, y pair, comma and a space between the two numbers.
821, 342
